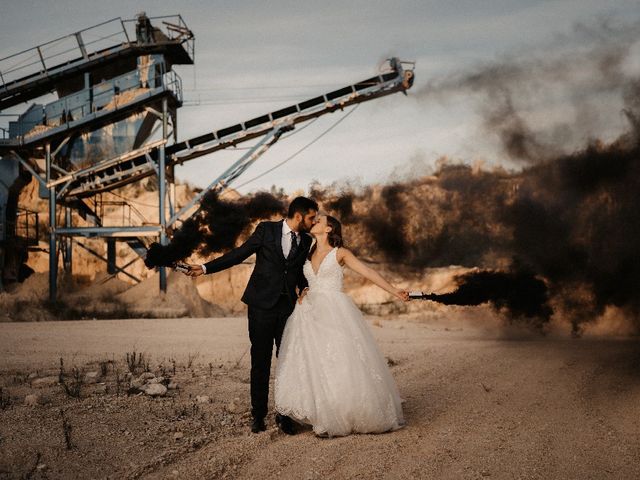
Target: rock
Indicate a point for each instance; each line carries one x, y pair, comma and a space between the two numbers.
34, 399
143, 379
234, 406
311, 475
32, 376
203, 399
91, 377
134, 391
178, 435
45, 382
156, 380
154, 389
101, 388
172, 386
137, 384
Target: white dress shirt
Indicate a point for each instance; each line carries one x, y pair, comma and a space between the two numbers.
286, 238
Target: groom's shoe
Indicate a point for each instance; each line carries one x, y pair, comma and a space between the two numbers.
285, 424
258, 425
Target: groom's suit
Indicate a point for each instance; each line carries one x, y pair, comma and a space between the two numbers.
270, 296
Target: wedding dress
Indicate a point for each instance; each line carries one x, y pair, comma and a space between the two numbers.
330, 373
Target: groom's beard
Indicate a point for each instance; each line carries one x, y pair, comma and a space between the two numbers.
302, 228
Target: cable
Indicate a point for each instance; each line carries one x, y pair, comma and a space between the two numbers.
241, 101
299, 151
137, 202
263, 87
290, 134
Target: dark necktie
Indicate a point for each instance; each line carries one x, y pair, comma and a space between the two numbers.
294, 246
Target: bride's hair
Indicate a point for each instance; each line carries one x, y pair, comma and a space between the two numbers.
334, 237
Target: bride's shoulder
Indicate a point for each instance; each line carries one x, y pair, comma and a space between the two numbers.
342, 253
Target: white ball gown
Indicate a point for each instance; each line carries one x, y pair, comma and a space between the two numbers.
330, 373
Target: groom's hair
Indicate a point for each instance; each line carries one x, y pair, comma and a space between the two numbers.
301, 205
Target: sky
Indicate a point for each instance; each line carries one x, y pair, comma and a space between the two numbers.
254, 57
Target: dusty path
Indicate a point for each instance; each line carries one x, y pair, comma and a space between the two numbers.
478, 405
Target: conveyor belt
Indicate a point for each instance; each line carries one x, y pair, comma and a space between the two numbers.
136, 165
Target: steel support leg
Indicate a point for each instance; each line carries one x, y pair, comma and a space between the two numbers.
68, 243
53, 250
162, 193
111, 256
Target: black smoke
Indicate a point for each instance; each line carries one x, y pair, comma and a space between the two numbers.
519, 293
565, 206
183, 243
541, 103
572, 223
215, 227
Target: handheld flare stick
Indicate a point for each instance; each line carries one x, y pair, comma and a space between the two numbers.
181, 267
422, 296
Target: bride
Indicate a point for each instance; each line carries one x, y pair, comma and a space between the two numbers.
330, 373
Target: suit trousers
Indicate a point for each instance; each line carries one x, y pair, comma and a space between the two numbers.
265, 327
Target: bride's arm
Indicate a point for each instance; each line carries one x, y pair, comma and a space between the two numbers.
344, 256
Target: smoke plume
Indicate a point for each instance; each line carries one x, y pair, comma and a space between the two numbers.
541, 104
558, 226
215, 227
519, 293
571, 224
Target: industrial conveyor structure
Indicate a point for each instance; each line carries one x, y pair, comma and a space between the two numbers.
97, 135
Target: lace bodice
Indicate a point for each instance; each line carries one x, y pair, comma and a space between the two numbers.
329, 275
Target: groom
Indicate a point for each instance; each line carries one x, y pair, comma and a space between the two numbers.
281, 249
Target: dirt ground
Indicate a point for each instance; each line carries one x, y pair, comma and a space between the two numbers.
480, 402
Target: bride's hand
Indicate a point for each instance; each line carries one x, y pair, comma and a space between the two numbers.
401, 294
302, 294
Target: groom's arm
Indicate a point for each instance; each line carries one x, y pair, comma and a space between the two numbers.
301, 282
238, 254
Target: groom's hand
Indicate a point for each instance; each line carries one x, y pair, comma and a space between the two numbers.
195, 271
302, 294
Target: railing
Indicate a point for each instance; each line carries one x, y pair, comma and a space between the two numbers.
62, 50
4, 130
109, 95
85, 43
112, 94
130, 216
27, 226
